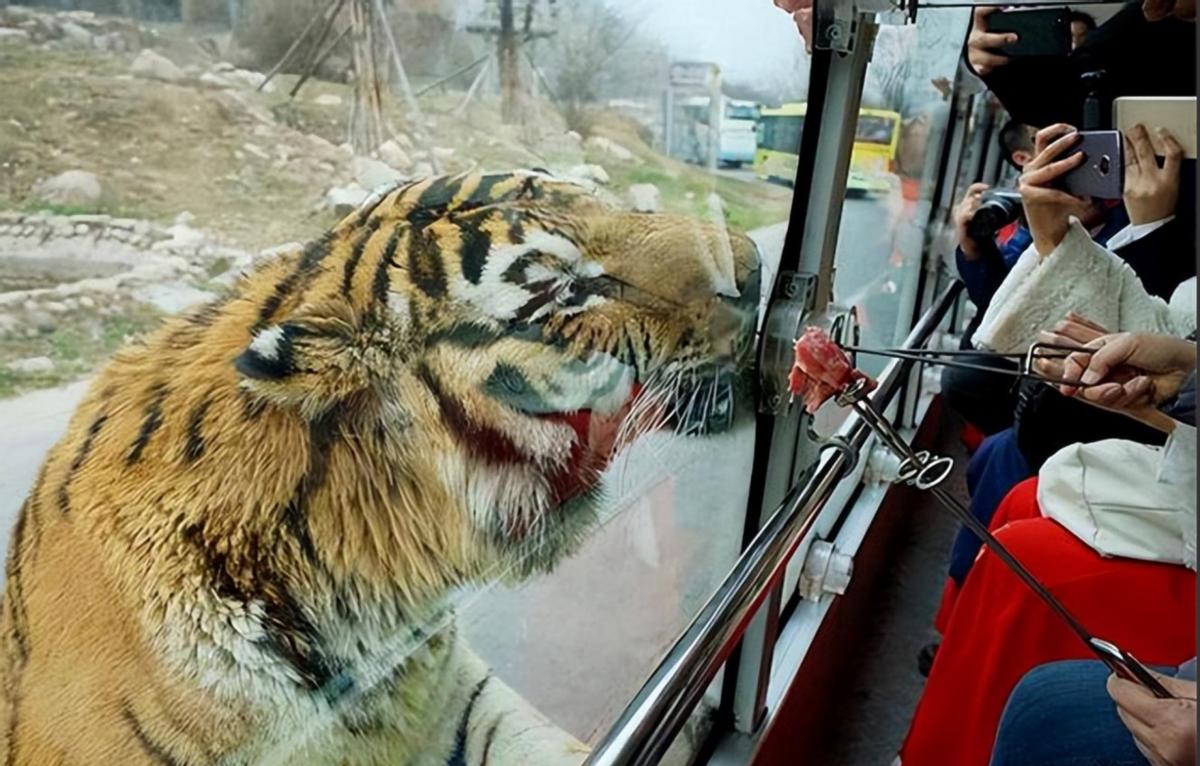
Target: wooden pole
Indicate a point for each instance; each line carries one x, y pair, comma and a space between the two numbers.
366, 119
405, 87
510, 66
334, 6
479, 78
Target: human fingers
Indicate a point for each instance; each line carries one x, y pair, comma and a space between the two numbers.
993, 40
1077, 333
791, 6
1048, 135
1143, 149
1172, 152
1132, 699
985, 61
1111, 352
1046, 174
1157, 10
1081, 319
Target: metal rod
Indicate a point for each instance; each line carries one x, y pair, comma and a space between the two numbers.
658, 712
885, 431
1022, 373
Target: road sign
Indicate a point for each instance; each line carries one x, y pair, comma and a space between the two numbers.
695, 74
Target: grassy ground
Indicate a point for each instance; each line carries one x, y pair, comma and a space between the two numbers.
76, 346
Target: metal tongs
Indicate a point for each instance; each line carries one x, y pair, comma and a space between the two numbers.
927, 472
1024, 370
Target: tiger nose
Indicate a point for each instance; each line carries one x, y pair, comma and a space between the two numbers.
733, 319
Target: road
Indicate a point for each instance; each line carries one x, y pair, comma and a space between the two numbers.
672, 529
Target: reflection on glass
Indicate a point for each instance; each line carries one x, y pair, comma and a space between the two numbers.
444, 482
899, 130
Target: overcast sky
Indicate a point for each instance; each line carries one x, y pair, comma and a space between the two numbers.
747, 38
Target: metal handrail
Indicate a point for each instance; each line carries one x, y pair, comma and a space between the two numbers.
648, 726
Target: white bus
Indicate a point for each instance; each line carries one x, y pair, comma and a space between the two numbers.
738, 131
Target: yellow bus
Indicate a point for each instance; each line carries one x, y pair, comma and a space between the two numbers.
872, 163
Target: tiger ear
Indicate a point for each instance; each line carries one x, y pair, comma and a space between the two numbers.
271, 354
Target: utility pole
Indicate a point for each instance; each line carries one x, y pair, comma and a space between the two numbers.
510, 69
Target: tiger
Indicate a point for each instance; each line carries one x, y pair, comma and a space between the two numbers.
244, 548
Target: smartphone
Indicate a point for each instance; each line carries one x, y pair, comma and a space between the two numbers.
1176, 113
1040, 32
1127, 666
1102, 174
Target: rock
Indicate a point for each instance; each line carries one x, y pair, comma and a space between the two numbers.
55, 307
74, 187
344, 200
371, 174
42, 322
75, 36
575, 137
10, 35
645, 198
214, 80
8, 324
443, 152
186, 218
86, 302
610, 147
114, 42
422, 170
155, 67
249, 79
405, 142
328, 99
81, 229
183, 237
256, 150
172, 299
391, 153
271, 253
32, 366
594, 173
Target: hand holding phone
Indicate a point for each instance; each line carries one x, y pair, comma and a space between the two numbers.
1126, 666
1039, 32
1101, 173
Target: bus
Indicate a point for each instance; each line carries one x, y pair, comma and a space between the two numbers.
872, 162
738, 131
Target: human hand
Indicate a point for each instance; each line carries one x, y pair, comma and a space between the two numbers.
982, 44
1157, 10
1163, 729
802, 14
1076, 330
1047, 209
1130, 373
963, 213
1151, 192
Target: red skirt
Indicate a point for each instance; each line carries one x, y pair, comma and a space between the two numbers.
1019, 503
998, 630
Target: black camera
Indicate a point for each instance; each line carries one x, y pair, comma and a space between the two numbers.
997, 209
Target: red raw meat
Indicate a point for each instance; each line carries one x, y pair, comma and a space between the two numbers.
821, 369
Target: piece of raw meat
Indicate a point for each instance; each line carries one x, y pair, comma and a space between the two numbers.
821, 369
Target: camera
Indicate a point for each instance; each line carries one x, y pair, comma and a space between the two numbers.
997, 209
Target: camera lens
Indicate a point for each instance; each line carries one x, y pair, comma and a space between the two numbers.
1105, 164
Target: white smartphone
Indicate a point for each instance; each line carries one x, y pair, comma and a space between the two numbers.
1175, 113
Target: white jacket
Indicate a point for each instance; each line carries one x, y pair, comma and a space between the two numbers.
1127, 499
1080, 276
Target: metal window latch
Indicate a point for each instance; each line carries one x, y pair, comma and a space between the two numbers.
837, 27
790, 306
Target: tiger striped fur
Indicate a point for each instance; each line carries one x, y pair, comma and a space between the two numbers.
242, 549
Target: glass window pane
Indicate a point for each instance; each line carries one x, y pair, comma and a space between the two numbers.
893, 170
471, 462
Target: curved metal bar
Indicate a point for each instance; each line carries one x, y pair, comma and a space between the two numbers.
648, 726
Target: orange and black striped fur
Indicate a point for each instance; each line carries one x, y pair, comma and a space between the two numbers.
241, 550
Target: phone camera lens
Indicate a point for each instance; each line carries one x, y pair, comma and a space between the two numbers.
1105, 164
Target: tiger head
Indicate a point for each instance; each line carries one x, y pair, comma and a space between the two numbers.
469, 352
